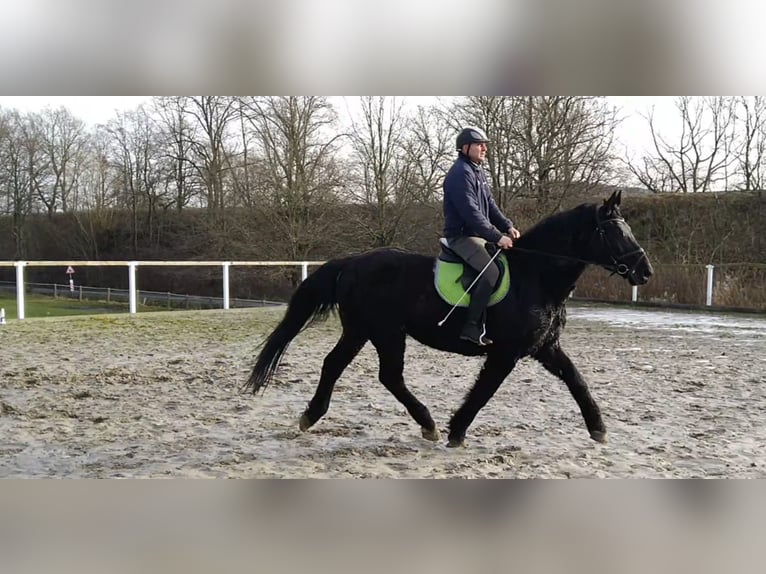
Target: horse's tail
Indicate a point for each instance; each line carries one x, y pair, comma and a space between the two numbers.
312, 301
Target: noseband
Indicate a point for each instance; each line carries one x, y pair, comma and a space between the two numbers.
616, 266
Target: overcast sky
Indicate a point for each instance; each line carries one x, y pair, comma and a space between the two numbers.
633, 132
90, 109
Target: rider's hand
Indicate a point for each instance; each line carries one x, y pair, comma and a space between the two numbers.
515, 233
505, 242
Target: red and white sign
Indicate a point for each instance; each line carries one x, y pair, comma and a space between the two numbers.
70, 272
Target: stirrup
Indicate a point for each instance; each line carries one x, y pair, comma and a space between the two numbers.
475, 334
482, 341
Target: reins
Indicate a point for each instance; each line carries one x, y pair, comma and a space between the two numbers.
615, 267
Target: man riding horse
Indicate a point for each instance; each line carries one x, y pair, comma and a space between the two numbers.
471, 219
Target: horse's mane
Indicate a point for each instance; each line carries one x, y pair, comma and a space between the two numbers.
558, 229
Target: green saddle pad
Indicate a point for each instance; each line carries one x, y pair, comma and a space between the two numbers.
451, 283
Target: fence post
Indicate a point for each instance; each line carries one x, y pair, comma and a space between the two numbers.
20, 288
304, 271
132, 286
226, 284
55, 291
634, 294
709, 298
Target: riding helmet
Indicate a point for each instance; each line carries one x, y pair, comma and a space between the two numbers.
469, 135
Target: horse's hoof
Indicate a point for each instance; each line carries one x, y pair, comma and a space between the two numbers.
305, 423
456, 443
432, 435
598, 436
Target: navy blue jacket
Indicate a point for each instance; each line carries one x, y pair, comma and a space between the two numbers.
469, 208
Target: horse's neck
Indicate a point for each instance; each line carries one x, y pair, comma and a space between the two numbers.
557, 278
552, 255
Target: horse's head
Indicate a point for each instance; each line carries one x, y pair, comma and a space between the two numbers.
614, 246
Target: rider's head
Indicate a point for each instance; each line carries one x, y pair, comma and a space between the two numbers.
472, 142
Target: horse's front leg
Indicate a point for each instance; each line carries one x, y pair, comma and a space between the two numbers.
555, 360
496, 368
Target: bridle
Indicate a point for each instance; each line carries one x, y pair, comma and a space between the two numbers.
616, 266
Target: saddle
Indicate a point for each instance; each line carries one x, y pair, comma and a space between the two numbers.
452, 277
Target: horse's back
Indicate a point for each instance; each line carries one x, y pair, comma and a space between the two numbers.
387, 268
386, 279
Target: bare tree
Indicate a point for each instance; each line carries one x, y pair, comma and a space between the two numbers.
543, 146
136, 156
211, 118
380, 165
399, 156
700, 158
99, 181
5, 135
177, 135
429, 149
563, 144
64, 140
31, 139
94, 211
751, 152
245, 166
21, 166
497, 115
297, 145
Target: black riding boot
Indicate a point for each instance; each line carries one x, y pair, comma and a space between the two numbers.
474, 330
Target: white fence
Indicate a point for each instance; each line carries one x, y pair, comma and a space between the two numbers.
708, 289
132, 267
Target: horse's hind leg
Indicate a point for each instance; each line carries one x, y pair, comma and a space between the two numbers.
496, 368
334, 364
391, 355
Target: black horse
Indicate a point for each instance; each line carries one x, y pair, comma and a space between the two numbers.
384, 295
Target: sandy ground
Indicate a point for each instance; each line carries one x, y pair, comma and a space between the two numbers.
158, 395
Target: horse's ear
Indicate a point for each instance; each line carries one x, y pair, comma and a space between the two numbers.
613, 201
